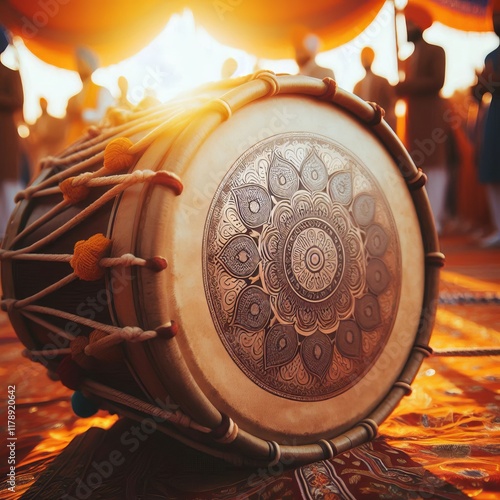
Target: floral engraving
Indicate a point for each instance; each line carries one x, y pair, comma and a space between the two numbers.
301, 263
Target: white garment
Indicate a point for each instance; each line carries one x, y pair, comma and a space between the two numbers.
8, 190
436, 186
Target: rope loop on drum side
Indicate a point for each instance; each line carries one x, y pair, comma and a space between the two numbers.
226, 432
426, 350
8, 305
378, 115
330, 89
418, 181
370, 426
328, 448
221, 106
405, 386
275, 452
436, 259
271, 79
131, 334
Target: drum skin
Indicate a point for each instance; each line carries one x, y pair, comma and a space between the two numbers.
301, 276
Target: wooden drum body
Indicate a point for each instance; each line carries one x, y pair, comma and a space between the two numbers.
278, 307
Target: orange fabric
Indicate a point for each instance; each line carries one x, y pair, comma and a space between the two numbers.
115, 30
460, 16
116, 155
419, 15
52, 29
86, 257
269, 29
73, 194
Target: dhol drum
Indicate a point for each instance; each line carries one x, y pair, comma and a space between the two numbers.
253, 266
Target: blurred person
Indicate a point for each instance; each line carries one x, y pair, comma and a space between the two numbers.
11, 103
306, 50
489, 159
375, 88
427, 132
122, 101
89, 106
47, 135
229, 68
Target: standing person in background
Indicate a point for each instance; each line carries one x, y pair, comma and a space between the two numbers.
305, 57
489, 160
375, 88
426, 129
11, 102
122, 101
47, 135
89, 106
229, 68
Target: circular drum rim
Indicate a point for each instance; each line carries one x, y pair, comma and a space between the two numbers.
180, 384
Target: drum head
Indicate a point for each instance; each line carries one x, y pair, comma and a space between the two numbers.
295, 275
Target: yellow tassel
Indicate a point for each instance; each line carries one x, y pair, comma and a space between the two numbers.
116, 155
73, 194
87, 255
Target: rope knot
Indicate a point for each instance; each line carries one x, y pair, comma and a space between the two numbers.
169, 180
270, 78
128, 259
107, 353
141, 175
73, 193
86, 257
8, 305
330, 88
116, 155
136, 334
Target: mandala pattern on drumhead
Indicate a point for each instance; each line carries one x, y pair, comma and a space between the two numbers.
302, 266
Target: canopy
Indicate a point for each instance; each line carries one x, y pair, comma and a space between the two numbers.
466, 15
113, 29
116, 29
269, 28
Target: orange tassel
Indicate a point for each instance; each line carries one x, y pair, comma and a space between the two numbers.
87, 255
116, 155
110, 354
73, 194
77, 347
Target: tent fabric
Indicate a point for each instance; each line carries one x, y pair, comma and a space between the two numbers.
269, 29
113, 29
52, 29
465, 15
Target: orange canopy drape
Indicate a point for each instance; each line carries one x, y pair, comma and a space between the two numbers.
116, 29
268, 28
113, 29
465, 15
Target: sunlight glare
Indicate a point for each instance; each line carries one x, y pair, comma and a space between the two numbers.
184, 56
